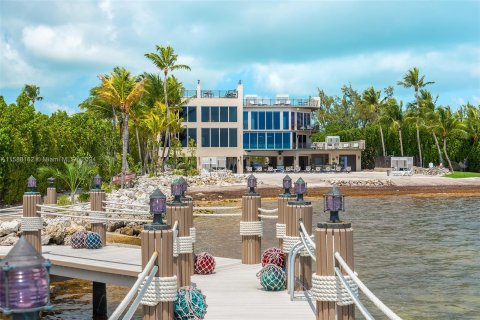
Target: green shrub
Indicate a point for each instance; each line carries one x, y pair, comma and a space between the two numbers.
63, 200
84, 197
192, 172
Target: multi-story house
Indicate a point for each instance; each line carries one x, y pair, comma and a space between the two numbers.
244, 133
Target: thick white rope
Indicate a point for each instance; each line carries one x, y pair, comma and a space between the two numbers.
127, 204
32, 223
268, 210
12, 208
281, 229
217, 215
92, 218
289, 242
216, 208
182, 245
266, 216
162, 289
330, 288
96, 216
251, 228
127, 211
193, 234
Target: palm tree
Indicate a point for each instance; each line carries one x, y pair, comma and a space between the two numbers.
449, 124
413, 79
33, 93
375, 106
122, 90
165, 59
428, 104
154, 122
395, 117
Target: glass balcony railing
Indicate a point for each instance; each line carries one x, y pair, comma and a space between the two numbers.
360, 145
232, 94
311, 102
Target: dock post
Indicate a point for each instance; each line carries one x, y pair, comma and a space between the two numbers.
331, 237
283, 200
297, 210
97, 197
158, 237
99, 300
182, 248
192, 231
51, 197
32, 222
251, 228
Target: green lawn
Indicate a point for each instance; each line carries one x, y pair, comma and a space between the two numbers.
459, 174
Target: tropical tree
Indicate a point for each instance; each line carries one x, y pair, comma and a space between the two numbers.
165, 59
413, 79
449, 125
122, 90
374, 105
33, 93
395, 117
427, 103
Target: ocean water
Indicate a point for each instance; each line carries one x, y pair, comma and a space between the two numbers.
419, 255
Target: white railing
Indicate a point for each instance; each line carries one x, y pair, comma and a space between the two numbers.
146, 275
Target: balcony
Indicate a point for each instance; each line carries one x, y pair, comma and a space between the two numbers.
281, 102
190, 94
351, 145
231, 94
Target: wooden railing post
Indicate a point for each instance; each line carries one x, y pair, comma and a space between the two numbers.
31, 221
160, 241
180, 211
330, 238
283, 200
97, 197
296, 210
189, 202
251, 244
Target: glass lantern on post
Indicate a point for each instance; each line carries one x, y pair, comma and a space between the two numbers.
184, 184
287, 184
158, 203
334, 202
51, 182
177, 188
24, 282
251, 184
97, 182
31, 185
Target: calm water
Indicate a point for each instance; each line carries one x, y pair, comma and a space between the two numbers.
421, 256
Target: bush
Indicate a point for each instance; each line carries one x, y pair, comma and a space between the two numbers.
192, 172
84, 197
63, 200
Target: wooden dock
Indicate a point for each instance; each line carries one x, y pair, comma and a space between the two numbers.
233, 291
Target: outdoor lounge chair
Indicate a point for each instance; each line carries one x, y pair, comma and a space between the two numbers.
270, 169
348, 169
308, 169
327, 168
249, 169
297, 169
258, 169
318, 169
289, 169
338, 169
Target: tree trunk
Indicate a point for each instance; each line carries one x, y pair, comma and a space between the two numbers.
114, 127
383, 141
139, 149
167, 134
401, 141
446, 154
125, 147
419, 146
438, 147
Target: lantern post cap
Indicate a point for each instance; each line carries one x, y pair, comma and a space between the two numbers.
157, 194
22, 255
334, 191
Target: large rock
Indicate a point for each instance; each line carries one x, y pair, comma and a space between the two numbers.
7, 227
9, 240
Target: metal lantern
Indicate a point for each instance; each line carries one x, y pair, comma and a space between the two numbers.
287, 184
252, 183
24, 281
184, 185
51, 182
157, 209
97, 181
300, 188
177, 190
32, 184
334, 202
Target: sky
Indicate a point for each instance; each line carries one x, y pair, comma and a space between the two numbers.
292, 47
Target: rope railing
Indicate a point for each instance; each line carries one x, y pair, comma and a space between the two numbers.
141, 277
268, 210
140, 295
127, 204
267, 216
127, 211
380, 305
216, 208
47, 213
16, 208
217, 215
352, 295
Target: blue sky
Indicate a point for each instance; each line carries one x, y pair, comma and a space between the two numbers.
272, 46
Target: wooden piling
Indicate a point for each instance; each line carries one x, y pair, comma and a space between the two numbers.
30, 202
160, 241
96, 204
331, 238
183, 263
191, 259
99, 300
51, 197
283, 200
303, 210
251, 245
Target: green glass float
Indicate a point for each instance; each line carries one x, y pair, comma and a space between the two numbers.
191, 304
272, 278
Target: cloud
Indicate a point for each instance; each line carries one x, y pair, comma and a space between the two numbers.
15, 71
51, 107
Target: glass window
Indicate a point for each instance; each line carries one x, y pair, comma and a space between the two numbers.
261, 120
192, 134
245, 120
183, 113
270, 140
205, 115
254, 125
308, 121
276, 120
214, 137
246, 140
299, 120
269, 119
205, 136
292, 120
232, 137
278, 140
223, 114
192, 114
214, 114
223, 137
285, 120
286, 140
182, 136
261, 140
253, 140
232, 114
